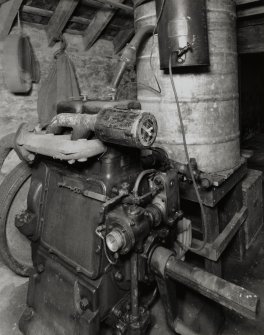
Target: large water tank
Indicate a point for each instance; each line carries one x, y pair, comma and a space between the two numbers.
208, 97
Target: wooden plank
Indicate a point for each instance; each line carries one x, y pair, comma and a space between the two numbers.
75, 19
8, 12
59, 19
98, 24
3, 1
242, 13
122, 38
214, 249
248, 2
251, 36
111, 3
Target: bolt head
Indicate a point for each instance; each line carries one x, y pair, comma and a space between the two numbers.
84, 304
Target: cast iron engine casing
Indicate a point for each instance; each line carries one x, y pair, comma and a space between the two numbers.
73, 288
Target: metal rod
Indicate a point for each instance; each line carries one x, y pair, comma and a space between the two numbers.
134, 287
215, 288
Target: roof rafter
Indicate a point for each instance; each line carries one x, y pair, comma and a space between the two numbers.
59, 19
98, 24
8, 12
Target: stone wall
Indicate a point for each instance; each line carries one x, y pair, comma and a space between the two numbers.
94, 69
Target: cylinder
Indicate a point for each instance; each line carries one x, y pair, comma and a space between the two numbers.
131, 128
208, 96
183, 29
227, 294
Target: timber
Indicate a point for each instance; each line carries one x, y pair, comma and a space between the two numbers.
49, 13
122, 38
251, 36
98, 24
59, 19
8, 12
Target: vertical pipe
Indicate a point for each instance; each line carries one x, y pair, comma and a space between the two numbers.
134, 287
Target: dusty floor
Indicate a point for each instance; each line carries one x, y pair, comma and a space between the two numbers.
250, 275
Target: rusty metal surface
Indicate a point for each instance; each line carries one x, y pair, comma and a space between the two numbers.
225, 293
208, 99
183, 23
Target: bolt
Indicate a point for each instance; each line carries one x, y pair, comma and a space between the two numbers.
157, 181
119, 276
84, 304
171, 183
28, 314
31, 157
98, 249
205, 183
41, 268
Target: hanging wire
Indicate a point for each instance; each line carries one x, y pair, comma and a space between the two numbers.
205, 232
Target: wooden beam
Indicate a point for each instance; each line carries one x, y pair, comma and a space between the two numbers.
248, 2
59, 19
8, 12
3, 1
111, 3
122, 38
98, 24
74, 19
251, 36
252, 11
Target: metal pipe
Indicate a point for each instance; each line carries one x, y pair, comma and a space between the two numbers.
129, 54
134, 287
215, 288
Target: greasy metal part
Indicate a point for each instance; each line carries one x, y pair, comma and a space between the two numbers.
215, 288
59, 147
182, 32
133, 128
129, 55
134, 288
222, 184
127, 227
81, 124
168, 200
208, 97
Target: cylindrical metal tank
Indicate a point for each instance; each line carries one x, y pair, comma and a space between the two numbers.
208, 97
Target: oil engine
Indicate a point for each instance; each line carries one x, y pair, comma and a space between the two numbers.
113, 191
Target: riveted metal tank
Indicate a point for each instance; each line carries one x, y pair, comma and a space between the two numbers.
208, 96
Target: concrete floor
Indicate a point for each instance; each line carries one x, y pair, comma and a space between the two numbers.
250, 275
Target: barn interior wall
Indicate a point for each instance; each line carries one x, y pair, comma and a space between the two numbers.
94, 68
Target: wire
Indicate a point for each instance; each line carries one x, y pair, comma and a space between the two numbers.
205, 232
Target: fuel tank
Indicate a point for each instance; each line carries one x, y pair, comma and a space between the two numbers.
208, 95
